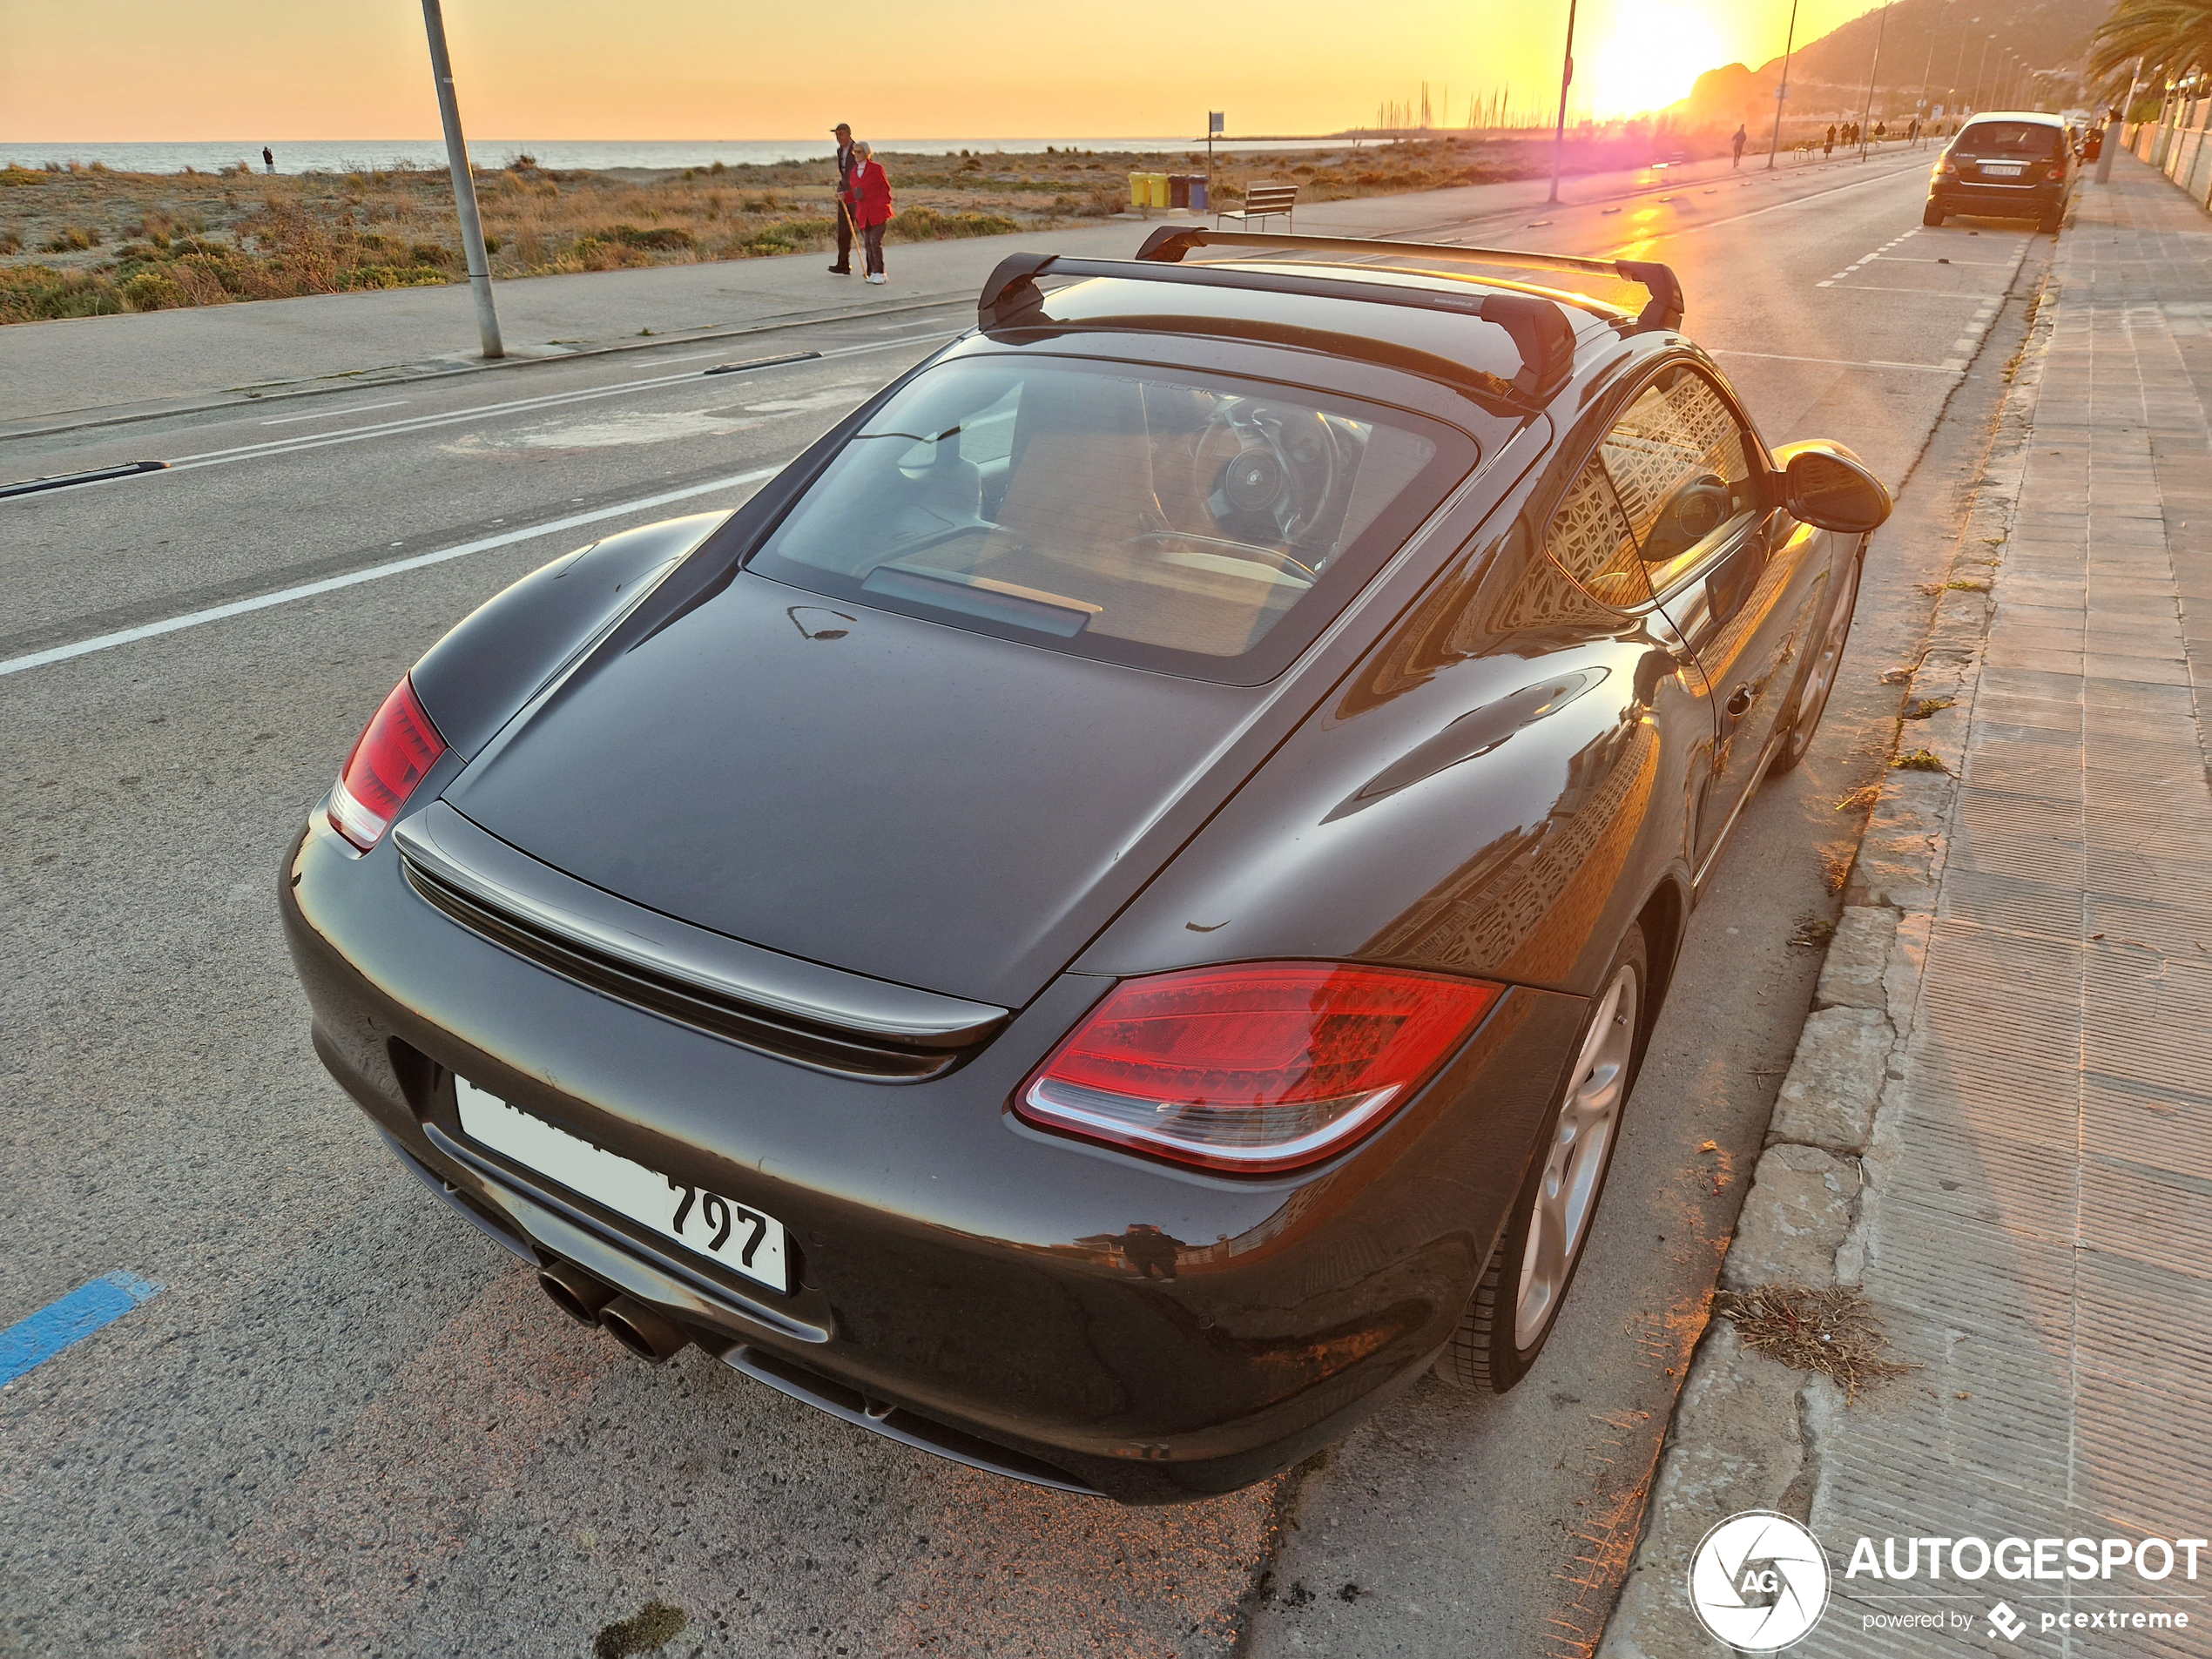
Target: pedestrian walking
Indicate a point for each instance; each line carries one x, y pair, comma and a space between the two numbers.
1828, 148
871, 206
843, 134
1737, 145
268, 160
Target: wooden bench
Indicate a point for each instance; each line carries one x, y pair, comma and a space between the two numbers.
1263, 202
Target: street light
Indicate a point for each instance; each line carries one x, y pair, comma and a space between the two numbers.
1566, 79
1782, 92
464, 184
1873, 74
1980, 65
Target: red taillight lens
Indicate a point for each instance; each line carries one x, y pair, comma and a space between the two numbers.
1261, 1066
397, 748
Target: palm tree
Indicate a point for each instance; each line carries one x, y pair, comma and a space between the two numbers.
2171, 36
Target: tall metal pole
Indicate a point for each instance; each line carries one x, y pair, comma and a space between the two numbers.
464, 184
1980, 65
1782, 92
1927, 72
1566, 79
1880, 26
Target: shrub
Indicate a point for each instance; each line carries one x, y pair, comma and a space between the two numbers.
150, 291
38, 292
661, 236
71, 238
9, 242
927, 224
430, 254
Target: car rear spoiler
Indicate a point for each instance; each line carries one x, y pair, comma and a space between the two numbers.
1662, 310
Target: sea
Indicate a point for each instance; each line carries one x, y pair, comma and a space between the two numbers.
375, 155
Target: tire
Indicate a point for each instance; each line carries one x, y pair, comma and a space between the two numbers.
1820, 672
1932, 215
1515, 1306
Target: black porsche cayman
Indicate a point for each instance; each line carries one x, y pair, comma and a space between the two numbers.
1108, 916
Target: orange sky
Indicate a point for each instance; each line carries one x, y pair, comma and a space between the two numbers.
687, 69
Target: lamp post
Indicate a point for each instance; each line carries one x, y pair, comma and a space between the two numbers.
1981, 64
1782, 92
1880, 27
1566, 79
464, 184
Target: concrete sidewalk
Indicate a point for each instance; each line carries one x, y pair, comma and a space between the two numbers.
82, 369
1999, 1127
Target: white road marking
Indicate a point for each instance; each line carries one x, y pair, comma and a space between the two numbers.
1883, 287
374, 573
549, 400
332, 415
1838, 363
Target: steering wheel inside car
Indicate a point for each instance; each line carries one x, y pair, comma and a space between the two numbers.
1281, 482
1698, 509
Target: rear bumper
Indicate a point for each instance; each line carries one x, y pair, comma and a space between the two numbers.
959, 1272
2000, 201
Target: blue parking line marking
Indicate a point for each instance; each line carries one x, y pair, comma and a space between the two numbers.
30, 1342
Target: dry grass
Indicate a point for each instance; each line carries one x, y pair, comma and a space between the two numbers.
1812, 933
104, 241
1835, 866
1921, 708
1833, 1332
1859, 799
1918, 761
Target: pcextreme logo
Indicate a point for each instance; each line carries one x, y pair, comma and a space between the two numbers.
1758, 1582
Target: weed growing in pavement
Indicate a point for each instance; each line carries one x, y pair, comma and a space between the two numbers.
1812, 933
1835, 866
1833, 1332
1926, 706
1859, 799
1918, 761
1956, 586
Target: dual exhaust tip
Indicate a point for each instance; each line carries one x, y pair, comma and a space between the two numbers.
589, 1301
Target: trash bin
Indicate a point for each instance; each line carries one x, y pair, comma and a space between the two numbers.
1159, 189
1179, 190
1140, 190
1198, 194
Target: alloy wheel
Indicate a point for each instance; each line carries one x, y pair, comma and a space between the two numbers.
1575, 1164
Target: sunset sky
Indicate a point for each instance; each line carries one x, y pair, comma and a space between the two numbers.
687, 69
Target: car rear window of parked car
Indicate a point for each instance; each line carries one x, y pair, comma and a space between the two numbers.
1190, 523
2031, 141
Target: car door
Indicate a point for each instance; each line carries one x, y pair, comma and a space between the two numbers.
1735, 576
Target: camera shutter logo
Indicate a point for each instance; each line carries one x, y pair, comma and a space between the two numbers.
1758, 1582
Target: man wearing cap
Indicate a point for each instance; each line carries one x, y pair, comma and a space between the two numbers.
844, 136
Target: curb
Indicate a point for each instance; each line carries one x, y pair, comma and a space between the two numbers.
1747, 1431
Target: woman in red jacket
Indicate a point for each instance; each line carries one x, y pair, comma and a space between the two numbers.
870, 205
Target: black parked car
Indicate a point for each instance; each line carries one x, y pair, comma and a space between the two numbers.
1105, 919
2004, 165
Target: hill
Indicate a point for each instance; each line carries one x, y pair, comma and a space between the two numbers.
1935, 43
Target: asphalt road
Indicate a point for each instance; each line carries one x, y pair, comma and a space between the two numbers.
347, 1422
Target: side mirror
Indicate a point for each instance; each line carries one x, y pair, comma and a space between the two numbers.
1826, 486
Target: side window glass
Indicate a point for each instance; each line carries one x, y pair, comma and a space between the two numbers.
1681, 465
1591, 542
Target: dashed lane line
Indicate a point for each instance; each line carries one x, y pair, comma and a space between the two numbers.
1782, 357
374, 573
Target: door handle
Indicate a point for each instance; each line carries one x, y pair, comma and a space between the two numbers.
1739, 703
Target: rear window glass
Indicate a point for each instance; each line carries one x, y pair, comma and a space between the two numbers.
1196, 525
2029, 140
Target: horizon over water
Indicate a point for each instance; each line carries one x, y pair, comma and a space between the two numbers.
360, 155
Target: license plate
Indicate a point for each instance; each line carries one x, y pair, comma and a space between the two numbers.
1992, 170
741, 1239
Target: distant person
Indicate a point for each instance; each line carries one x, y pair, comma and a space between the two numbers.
1737, 145
1828, 147
1913, 130
843, 134
871, 206
1881, 131
268, 160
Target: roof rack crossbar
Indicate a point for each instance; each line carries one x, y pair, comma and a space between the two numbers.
1540, 333
1663, 310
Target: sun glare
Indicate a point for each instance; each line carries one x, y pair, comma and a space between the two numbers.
1649, 58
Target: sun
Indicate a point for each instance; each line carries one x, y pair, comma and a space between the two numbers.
1649, 57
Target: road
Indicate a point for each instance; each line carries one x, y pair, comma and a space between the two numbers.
346, 1420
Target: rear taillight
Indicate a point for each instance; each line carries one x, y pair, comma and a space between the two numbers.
1257, 1067
398, 747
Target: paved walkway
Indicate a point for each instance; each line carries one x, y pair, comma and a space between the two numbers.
2034, 1225
55, 373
